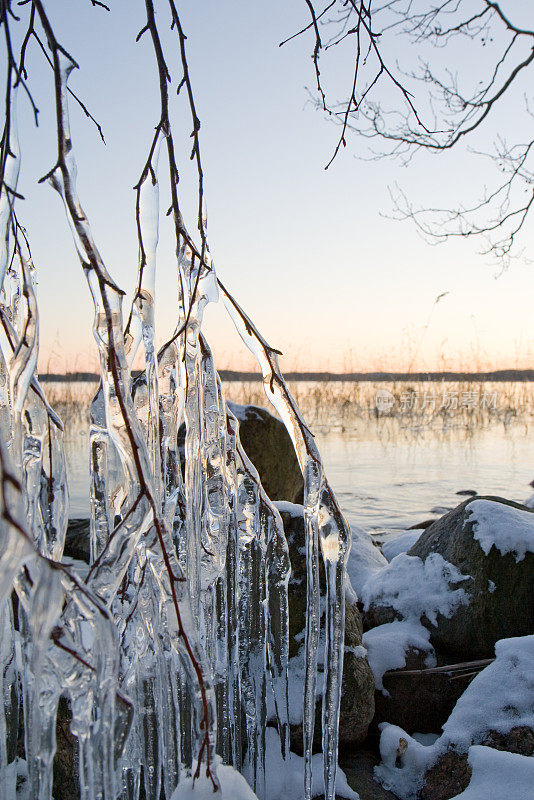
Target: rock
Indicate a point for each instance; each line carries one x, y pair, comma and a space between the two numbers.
519, 740
449, 776
357, 701
66, 786
417, 703
358, 768
426, 523
501, 589
268, 445
467, 493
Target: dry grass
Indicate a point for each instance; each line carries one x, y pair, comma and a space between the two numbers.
345, 405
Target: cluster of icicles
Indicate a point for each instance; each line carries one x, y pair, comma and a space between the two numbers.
175, 643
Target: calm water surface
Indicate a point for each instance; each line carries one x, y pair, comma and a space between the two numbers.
388, 476
392, 478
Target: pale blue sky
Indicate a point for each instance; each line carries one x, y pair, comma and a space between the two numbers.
327, 279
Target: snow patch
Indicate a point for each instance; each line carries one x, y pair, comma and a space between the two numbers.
404, 762
388, 644
497, 775
285, 779
285, 507
364, 559
510, 530
401, 543
232, 783
415, 588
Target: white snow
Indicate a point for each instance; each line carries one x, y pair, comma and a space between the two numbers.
285, 779
529, 502
388, 644
510, 530
285, 507
401, 543
364, 560
498, 775
243, 413
359, 651
415, 588
232, 783
404, 762
426, 738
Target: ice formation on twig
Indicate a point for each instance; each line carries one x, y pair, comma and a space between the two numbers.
169, 650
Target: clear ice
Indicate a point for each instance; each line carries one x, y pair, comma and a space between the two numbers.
174, 648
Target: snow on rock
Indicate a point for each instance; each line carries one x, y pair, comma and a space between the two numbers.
388, 644
529, 502
415, 588
509, 529
293, 509
285, 779
364, 560
401, 543
232, 783
498, 775
500, 698
244, 412
404, 762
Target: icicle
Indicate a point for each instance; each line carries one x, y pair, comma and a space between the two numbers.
326, 526
9, 708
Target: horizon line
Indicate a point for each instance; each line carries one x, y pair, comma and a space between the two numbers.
500, 375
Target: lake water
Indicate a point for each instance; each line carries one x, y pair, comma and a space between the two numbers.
386, 483
390, 473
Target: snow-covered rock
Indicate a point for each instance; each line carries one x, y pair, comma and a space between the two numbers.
496, 709
415, 590
510, 530
388, 645
491, 540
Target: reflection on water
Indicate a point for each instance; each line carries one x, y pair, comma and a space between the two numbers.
388, 472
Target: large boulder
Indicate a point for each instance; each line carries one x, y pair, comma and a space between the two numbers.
357, 701
268, 445
487, 539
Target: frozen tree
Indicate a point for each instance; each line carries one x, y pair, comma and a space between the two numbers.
431, 76
175, 644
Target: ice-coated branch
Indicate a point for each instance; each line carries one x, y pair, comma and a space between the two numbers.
107, 300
